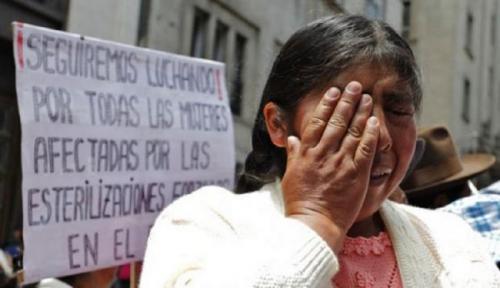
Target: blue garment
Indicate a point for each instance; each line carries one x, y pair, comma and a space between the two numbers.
13, 250
482, 212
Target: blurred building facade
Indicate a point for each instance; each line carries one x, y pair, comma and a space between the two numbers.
390, 11
246, 35
457, 45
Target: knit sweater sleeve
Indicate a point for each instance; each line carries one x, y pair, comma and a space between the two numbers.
479, 270
193, 244
462, 258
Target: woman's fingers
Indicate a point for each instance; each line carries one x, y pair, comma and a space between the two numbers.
367, 147
318, 121
341, 118
358, 123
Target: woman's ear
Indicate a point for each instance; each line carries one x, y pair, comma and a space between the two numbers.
276, 124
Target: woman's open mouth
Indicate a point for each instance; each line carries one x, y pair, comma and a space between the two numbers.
379, 176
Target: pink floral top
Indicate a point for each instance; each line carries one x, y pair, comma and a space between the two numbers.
368, 263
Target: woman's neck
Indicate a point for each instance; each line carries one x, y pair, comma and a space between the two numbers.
368, 227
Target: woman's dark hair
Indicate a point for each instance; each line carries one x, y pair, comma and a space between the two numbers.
308, 62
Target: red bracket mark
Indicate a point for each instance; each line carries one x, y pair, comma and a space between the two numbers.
20, 54
217, 75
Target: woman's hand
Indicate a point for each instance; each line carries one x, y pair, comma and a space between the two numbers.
328, 169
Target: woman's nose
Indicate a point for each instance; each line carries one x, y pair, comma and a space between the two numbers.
385, 139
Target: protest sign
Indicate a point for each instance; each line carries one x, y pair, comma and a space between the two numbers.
111, 134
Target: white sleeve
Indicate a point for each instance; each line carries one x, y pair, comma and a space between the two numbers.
481, 270
467, 261
191, 245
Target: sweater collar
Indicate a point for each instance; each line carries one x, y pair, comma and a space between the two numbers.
276, 195
412, 242
413, 245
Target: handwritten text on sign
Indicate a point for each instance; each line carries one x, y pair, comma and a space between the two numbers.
111, 134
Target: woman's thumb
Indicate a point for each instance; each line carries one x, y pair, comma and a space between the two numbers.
292, 146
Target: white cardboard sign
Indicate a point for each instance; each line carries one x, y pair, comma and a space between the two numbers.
111, 134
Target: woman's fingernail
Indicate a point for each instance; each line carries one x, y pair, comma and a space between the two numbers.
373, 121
333, 93
353, 87
366, 99
291, 143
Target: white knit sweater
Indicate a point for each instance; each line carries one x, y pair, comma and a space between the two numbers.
214, 238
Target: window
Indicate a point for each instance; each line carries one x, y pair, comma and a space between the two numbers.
466, 101
53, 9
277, 48
468, 34
493, 29
374, 9
239, 62
485, 136
497, 142
142, 31
221, 35
220, 44
200, 33
491, 80
491, 92
406, 19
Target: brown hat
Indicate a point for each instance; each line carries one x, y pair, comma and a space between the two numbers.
441, 164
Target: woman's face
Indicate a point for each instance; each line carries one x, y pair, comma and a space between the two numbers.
394, 109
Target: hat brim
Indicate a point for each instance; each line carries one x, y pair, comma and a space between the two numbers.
473, 164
